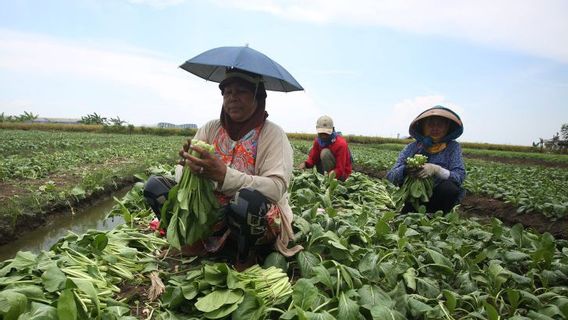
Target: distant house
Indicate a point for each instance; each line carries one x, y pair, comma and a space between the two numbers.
178, 126
56, 120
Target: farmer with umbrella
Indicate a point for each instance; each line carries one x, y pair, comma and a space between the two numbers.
252, 164
435, 131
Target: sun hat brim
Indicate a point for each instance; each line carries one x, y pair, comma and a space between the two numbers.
456, 127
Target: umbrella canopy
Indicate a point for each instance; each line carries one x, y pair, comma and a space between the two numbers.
211, 65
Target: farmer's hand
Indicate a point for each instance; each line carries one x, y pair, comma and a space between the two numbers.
302, 166
412, 172
184, 150
207, 165
430, 169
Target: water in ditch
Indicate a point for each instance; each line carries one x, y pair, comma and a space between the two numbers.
90, 217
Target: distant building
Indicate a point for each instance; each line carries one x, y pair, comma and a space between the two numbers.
56, 120
178, 126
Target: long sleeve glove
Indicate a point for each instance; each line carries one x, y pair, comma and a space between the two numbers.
430, 169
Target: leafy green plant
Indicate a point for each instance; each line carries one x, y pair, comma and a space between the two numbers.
191, 207
415, 190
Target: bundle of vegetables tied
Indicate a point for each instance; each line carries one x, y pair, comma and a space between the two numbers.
191, 207
216, 291
414, 189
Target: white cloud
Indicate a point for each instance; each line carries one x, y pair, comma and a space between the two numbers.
537, 28
403, 112
177, 96
133, 71
294, 111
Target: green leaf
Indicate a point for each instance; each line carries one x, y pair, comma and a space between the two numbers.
23, 260
530, 299
545, 250
12, 304
368, 266
172, 297
100, 242
277, 260
172, 234
517, 234
323, 276
32, 292
318, 316
451, 300
290, 315
307, 261
66, 307
53, 278
418, 308
216, 299
78, 192
370, 296
497, 274
492, 313
382, 228
402, 230
440, 259
410, 278
40, 311
480, 257
347, 309
216, 274
339, 246
252, 308
304, 294
119, 312
427, 288
551, 311
88, 288
189, 290
515, 255
222, 311
346, 276
385, 313
514, 298
537, 315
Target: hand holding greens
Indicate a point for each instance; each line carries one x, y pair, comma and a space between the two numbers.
191, 207
414, 189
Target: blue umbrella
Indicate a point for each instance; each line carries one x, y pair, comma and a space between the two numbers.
211, 65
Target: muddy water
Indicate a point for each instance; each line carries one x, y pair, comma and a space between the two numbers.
90, 217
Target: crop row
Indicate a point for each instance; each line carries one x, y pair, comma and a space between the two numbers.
361, 260
32, 155
530, 188
40, 154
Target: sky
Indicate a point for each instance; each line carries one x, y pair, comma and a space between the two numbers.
372, 65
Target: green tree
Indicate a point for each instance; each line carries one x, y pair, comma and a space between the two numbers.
117, 122
564, 131
93, 119
26, 116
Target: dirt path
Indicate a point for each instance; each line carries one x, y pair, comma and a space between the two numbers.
519, 161
486, 208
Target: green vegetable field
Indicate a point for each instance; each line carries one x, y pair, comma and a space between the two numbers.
361, 258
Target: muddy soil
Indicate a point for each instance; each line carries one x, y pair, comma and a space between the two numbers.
487, 208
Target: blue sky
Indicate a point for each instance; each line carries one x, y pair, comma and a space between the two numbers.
372, 65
